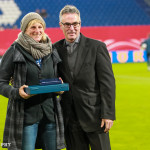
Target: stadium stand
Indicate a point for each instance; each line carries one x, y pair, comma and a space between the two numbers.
121, 24
93, 12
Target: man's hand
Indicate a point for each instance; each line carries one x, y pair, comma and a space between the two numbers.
108, 124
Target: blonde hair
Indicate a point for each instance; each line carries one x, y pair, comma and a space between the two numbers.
32, 22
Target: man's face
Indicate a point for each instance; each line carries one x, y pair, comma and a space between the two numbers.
70, 25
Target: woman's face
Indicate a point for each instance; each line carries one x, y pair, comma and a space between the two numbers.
35, 31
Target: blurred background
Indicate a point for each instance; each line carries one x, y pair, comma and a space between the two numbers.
122, 25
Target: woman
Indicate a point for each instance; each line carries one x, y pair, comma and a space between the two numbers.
31, 119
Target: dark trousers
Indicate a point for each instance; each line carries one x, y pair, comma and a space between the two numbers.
78, 139
47, 133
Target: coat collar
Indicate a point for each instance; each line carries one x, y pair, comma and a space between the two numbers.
18, 57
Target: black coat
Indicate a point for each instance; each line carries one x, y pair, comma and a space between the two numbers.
14, 64
93, 87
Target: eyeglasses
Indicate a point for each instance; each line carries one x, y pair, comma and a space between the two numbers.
68, 25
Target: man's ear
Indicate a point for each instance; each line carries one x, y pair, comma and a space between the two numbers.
60, 24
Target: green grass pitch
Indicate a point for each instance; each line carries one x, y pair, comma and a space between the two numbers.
131, 130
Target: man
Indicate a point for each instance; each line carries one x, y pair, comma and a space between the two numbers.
89, 106
146, 45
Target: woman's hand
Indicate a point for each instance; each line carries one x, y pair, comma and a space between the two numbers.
22, 92
60, 92
61, 80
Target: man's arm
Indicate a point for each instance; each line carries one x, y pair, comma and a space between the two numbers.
107, 86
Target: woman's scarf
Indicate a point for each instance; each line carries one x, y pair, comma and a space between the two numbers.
36, 49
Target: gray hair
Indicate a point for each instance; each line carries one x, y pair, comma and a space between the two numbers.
69, 9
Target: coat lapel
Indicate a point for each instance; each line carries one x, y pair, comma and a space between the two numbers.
63, 55
82, 52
